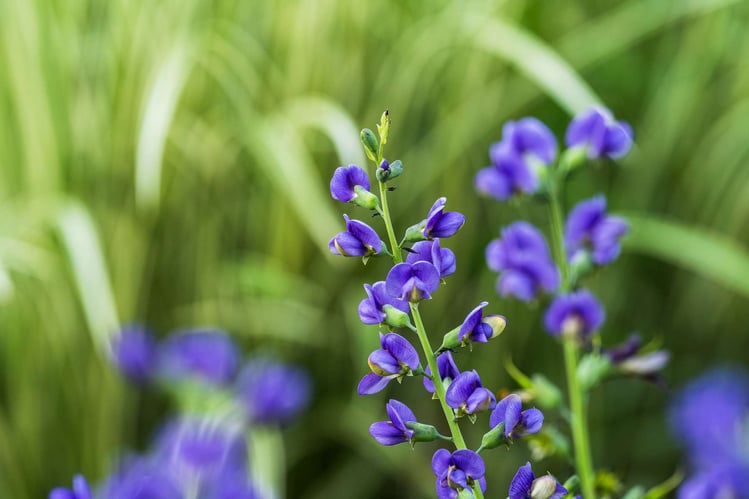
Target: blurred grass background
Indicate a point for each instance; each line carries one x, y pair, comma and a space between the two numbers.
168, 162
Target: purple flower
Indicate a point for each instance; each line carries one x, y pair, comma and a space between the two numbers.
394, 431
589, 228
480, 329
525, 485
518, 423
627, 359
373, 309
430, 251
346, 179
206, 355
231, 484
718, 482
440, 223
467, 395
359, 239
576, 314
272, 392
412, 282
522, 258
200, 448
710, 416
134, 353
457, 471
530, 137
396, 358
447, 368
80, 490
596, 130
142, 478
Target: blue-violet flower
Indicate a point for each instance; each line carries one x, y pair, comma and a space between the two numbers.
457, 471
476, 327
597, 131
440, 223
447, 368
575, 314
430, 251
359, 239
80, 490
412, 281
525, 485
206, 355
590, 229
394, 431
134, 353
517, 423
396, 358
379, 307
467, 395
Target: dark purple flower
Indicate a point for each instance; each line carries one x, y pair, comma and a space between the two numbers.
518, 423
447, 368
467, 395
522, 258
142, 479
596, 130
412, 282
627, 359
430, 251
346, 179
576, 314
272, 392
359, 239
710, 416
590, 229
372, 310
134, 353
396, 358
457, 471
481, 329
200, 448
206, 355
394, 431
80, 490
440, 223
525, 485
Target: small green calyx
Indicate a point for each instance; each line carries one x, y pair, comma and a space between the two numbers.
395, 317
365, 199
423, 432
572, 158
494, 438
450, 341
415, 233
369, 141
593, 369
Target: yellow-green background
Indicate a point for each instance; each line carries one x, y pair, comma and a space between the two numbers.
168, 162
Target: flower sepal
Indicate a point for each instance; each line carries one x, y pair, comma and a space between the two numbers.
395, 317
415, 233
494, 438
365, 199
593, 369
572, 158
424, 432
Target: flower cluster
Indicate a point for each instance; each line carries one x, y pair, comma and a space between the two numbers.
394, 304
203, 452
710, 417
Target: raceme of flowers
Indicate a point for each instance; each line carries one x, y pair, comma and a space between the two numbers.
203, 451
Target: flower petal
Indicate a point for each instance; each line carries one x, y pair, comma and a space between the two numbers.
371, 383
401, 350
521, 483
440, 462
386, 433
470, 462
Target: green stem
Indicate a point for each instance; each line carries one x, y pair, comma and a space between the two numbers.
439, 387
578, 420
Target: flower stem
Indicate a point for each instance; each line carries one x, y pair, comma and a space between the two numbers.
439, 387
578, 419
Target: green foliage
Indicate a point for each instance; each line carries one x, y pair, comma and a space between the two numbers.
168, 162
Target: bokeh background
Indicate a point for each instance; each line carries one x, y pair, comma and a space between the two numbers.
168, 162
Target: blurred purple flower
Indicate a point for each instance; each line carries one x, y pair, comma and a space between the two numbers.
345, 180
627, 359
371, 309
457, 471
80, 490
596, 130
359, 239
531, 137
272, 392
430, 251
206, 355
394, 432
476, 327
412, 282
396, 358
577, 314
440, 223
467, 395
518, 423
590, 229
448, 371
232, 484
142, 479
522, 258
525, 485
134, 353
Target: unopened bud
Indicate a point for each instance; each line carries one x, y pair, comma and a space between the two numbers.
543, 487
395, 317
365, 199
369, 141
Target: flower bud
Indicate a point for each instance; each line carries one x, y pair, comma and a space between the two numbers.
388, 171
383, 127
543, 487
592, 370
497, 323
395, 317
369, 141
494, 437
450, 341
365, 199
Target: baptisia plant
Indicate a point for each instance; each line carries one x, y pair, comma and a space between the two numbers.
526, 163
396, 304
